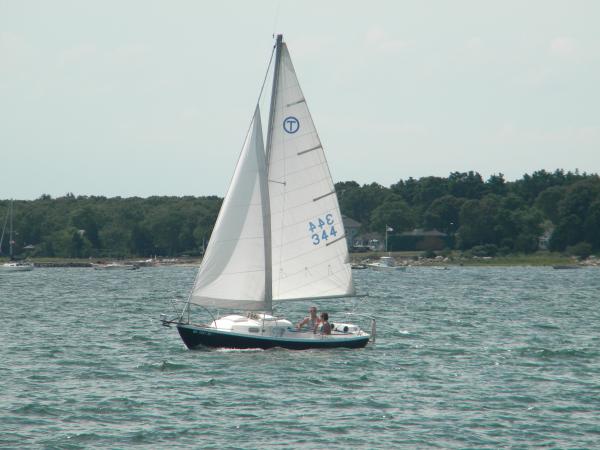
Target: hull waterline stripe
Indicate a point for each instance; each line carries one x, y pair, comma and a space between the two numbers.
309, 150
216, 331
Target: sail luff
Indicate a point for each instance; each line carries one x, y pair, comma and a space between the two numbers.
273, 99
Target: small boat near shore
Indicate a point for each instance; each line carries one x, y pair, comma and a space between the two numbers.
13, 265
17, 266
566, 267
115, 266
385, 263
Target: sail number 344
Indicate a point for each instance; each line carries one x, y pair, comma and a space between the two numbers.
321, 230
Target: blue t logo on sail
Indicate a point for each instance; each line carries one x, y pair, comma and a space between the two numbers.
291, 125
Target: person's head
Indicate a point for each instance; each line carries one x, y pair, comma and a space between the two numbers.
324, 316
313, 311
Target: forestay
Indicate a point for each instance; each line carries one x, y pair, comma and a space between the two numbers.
232, 273
309, 249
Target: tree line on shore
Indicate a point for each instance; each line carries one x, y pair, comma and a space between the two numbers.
485, 217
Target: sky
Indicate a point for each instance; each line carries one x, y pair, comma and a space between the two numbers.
141, 98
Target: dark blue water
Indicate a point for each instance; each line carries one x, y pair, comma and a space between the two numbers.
469, 357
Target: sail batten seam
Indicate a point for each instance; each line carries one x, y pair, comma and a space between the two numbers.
309, 150
295, 103
335, 240
323, 196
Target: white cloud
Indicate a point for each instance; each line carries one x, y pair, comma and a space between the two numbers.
378, 39
581, 135
563, 46
13, 49
475, 44
304, 46
76, 54
129, 53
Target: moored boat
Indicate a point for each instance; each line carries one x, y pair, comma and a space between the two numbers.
17, 266
13, 265
385, 263
115, 266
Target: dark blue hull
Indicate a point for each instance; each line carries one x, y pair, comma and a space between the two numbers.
196, 337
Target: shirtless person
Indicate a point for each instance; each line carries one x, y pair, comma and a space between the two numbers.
311, 321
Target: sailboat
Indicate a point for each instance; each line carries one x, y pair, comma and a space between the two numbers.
278, 237
12, 265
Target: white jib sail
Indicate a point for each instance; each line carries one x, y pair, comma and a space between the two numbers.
232, 273
309, 249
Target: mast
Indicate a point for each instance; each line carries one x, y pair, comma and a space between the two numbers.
266, 199
278, 45
10, 234
4, 227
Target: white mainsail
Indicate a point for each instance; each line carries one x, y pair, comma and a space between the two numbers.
309, 249
232, 273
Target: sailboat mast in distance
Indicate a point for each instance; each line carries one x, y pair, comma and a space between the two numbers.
10, 234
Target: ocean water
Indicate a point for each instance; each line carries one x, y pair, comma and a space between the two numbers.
464, 358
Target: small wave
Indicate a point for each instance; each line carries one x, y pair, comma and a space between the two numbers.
39, 377
37, 409
456, 351
166, 365
565, 353
162, 366
546, 326
74, 439
142, 338
79, 362
239, 350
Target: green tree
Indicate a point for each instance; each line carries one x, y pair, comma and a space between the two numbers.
359, 203
496, 185
87, 219
478, 222
548, 200
444, 214
466, 185
592, 225
393, 212
568, 232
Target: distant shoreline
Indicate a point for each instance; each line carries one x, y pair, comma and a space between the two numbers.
415, 258
540, 259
